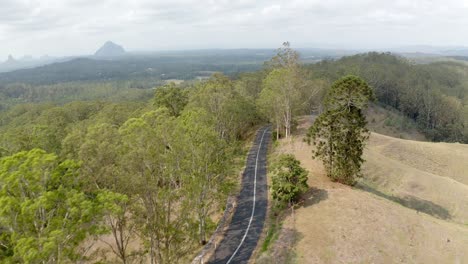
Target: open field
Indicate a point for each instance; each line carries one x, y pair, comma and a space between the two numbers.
410, 207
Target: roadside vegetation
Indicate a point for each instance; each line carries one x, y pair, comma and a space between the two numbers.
288, 181
149, 173
150, 169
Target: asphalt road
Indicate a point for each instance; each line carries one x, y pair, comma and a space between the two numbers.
246, 225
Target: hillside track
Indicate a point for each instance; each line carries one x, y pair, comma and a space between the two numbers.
243, 233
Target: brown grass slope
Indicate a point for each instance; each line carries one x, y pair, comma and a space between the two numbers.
410, 207
431, 177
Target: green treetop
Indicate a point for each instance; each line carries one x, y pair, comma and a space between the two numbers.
339, 133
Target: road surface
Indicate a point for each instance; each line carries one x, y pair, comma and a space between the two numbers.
249, 216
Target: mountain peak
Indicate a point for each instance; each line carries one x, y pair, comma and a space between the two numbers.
10, 59
110, 49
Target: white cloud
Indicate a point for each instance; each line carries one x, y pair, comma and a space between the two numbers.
271, 10
65, 27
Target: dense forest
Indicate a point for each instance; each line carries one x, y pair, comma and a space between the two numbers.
61, 93
88, 69
149, 168
149, 172
434, 95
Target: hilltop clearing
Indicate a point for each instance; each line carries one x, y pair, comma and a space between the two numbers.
410, 206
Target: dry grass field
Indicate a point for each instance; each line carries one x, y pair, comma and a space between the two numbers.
411, 206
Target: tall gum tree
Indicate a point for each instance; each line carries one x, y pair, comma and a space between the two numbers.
286, 92
153, 155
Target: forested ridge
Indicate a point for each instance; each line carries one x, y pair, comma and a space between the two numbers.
151, 167
434, 95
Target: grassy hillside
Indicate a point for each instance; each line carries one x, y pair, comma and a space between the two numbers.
428, 177
410, 207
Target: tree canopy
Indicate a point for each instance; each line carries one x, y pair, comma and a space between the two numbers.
433, 95
289, 179
340, 132
44, 215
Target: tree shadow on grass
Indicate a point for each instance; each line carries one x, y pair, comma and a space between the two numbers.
314, 196
412, 202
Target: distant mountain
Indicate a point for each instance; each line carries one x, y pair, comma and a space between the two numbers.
425, 50
10, 60
110, 49
456, 52
12, 64
164, 66
421, 49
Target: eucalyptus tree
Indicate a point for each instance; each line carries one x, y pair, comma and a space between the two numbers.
232, 113
44, 214
207, 164
280, 99
286, 93
153, 158
101, 156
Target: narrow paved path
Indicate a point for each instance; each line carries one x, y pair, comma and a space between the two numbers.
249, 216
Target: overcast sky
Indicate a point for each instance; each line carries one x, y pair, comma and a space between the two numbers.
76, 27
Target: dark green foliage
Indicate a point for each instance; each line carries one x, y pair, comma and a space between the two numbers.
339, 133
289, 179
433, 95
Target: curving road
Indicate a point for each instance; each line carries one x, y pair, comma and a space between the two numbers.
240, 240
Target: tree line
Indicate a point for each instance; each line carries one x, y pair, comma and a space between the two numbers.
433, 95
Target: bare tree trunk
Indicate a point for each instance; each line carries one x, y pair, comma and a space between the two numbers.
330, 153
152, 251
277, 130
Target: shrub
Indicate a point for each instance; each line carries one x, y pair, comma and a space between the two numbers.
289, 179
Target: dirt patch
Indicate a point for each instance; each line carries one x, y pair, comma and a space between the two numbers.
282, 251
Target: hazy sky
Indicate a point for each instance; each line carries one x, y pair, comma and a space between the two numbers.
74, 27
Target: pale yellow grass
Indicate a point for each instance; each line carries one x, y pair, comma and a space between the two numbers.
340, 224
435, 172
